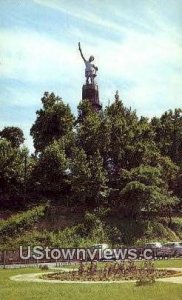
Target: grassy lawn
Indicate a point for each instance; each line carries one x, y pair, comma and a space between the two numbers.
26, 290
169, 263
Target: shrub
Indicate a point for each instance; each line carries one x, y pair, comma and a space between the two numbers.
44, 267
20, 222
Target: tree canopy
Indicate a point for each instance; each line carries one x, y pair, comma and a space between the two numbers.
53, 121
111, 158
14, 135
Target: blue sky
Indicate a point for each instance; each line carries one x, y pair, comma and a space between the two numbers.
137, 46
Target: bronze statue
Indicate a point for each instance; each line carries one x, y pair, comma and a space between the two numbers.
90, 69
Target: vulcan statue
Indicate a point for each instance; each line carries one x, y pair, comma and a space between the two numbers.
90, 69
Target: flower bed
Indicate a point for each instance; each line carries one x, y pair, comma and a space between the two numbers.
113, 272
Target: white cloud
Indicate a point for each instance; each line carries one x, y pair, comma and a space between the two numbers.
149, 62
36, 58
92, 14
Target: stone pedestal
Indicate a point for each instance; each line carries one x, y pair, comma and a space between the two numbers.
91, 92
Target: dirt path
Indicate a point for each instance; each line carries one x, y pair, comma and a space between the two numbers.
175, 279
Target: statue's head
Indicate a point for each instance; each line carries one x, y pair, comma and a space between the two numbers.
91, 58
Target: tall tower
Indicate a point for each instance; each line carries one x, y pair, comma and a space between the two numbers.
90, 90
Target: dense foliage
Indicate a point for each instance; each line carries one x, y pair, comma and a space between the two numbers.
14, 135
108, 159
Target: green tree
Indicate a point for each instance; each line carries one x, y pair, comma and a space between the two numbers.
80, 177
176, 186
87, 128
51, 172
88, 179
14, 135
168, 134
144, 189
12, 174
98, 181
129, 141
130, 137
53, 122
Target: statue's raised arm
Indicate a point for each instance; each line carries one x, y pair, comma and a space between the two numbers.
81, 53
